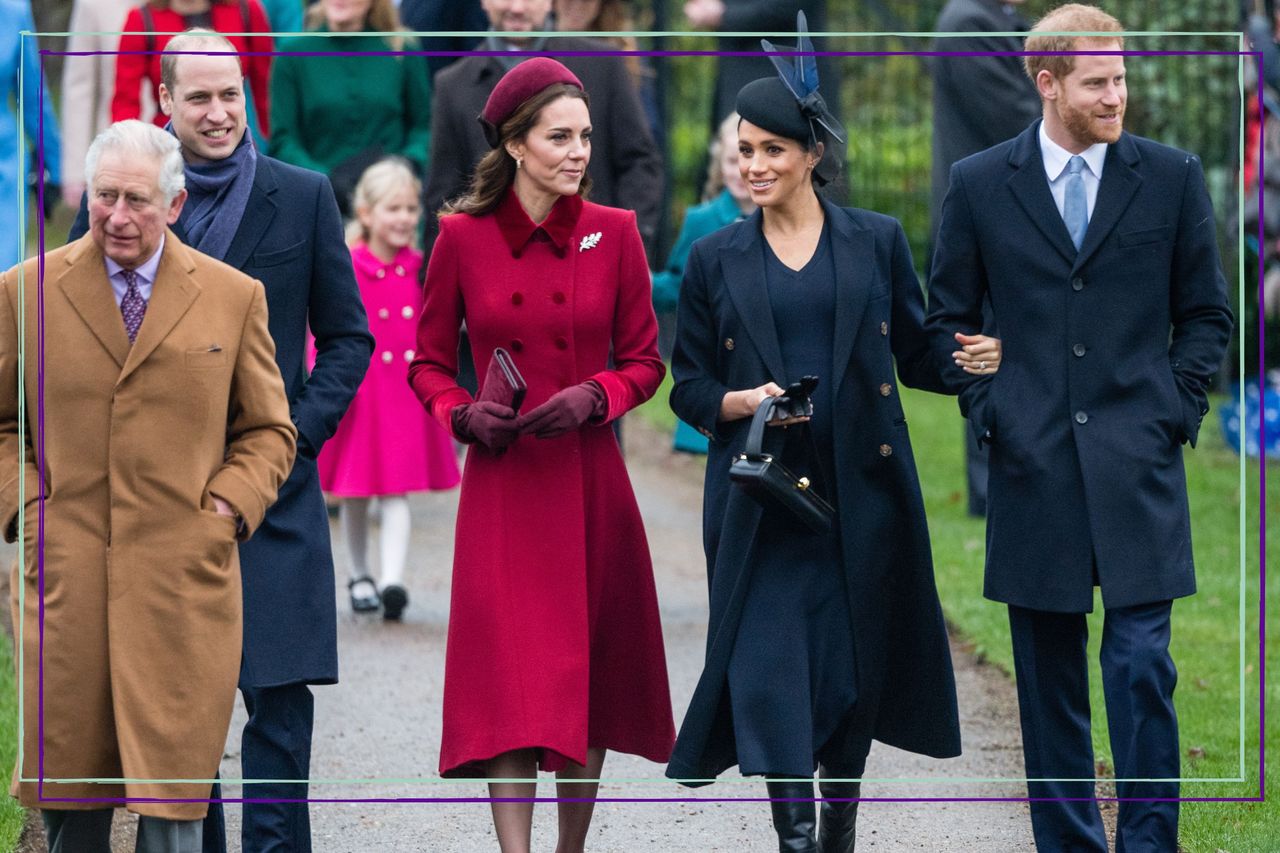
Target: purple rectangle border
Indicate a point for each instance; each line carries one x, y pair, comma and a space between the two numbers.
1262, 467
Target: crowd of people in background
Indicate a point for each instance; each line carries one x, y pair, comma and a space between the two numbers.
420, 276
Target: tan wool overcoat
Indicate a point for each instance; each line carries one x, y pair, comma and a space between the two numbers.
139, 589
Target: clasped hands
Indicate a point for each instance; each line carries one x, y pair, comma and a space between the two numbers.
496, 426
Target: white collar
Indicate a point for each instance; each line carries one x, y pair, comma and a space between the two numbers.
1056, 157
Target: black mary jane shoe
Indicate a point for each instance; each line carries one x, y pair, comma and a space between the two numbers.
366, 601
394, 600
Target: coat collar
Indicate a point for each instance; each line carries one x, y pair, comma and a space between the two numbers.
1120, 180
259, 212
518, 229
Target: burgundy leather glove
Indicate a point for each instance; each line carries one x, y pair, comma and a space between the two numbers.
565, 411
491, 425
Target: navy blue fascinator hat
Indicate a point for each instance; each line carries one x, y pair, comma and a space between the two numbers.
791, 106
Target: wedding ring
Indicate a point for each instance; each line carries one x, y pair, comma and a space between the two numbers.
982, 365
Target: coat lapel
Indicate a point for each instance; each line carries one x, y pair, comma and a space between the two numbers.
258, 213
1120, 181
1030, 187
742, 262
171, 295
852, 253
84, 283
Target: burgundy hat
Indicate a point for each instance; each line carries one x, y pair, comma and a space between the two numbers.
517, 86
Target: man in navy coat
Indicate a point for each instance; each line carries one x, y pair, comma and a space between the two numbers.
279, 224
1099, 254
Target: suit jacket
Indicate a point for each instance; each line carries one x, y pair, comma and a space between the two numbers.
1108, 353
139, 583
625, 167
978, 101
727, 340
291, 239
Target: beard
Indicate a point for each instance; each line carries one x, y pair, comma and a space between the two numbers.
1085, 128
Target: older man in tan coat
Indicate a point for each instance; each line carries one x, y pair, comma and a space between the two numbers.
155, 433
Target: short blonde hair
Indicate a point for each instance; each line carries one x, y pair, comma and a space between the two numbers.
379, 181
1071, 18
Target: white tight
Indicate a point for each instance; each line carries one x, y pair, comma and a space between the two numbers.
393, 539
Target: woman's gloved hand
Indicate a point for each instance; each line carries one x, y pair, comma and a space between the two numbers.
492, 425
565, 411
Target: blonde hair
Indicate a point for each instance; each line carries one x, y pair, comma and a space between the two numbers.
379, 181
715, 174
381, 17
1071, 18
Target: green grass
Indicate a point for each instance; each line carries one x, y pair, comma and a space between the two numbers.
1206, 627
11, 814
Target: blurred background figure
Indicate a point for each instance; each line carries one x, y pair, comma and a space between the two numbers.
386, 445
88, 83
19, 56
341, 114
978, 101
285, 16
615, 16
424, 16
725, 200
768, 16
148, 28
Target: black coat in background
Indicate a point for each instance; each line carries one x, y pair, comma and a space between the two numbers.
727, 341
425, 16
1108, 353
290, 239
625, 167
978, 101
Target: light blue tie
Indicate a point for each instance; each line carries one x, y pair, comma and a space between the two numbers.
1075, 206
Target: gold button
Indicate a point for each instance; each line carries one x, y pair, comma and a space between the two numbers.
381, 273
383, 313
886, 389
387, 357
408, 355
407, 312
886, 450
728, 343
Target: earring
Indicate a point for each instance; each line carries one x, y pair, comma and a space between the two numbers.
519, 162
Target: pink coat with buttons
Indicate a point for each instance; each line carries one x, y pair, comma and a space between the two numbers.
554, 640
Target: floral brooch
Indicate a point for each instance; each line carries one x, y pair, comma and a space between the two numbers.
589, 241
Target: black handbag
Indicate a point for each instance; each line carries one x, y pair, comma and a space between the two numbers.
771, 484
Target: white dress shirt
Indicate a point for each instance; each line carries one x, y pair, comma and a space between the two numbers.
1055, 169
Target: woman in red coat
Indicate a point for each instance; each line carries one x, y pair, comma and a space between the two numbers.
555, 651
148, 28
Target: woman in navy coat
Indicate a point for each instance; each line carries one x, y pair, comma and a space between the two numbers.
817, 642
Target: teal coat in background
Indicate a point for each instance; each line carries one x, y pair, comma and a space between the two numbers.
699, 221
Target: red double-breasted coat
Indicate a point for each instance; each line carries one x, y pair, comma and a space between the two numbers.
554, 640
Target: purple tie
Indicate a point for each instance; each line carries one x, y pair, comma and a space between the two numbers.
132, 305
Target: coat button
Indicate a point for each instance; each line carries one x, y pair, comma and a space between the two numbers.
1079, 350
407, 312
399, 270
728, 343
1082, 417
558, 298
1077, 284
884, 327
409, 354
517, 298
562, 342
383, 313
381, 273
517, 345
886, 450
886, 389
387, 357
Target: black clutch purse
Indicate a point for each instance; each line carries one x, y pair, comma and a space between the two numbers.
771, 484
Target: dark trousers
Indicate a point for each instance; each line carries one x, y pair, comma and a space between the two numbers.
1138, 677
276, 744
89, 831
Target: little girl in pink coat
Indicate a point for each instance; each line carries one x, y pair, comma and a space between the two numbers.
386, 445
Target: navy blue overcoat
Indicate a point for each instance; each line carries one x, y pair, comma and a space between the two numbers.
727, 340
1108, 353
291, 240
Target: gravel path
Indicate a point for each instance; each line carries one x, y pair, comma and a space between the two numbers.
377, 732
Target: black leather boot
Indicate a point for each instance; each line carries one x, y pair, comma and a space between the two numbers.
838, 830
794, 822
